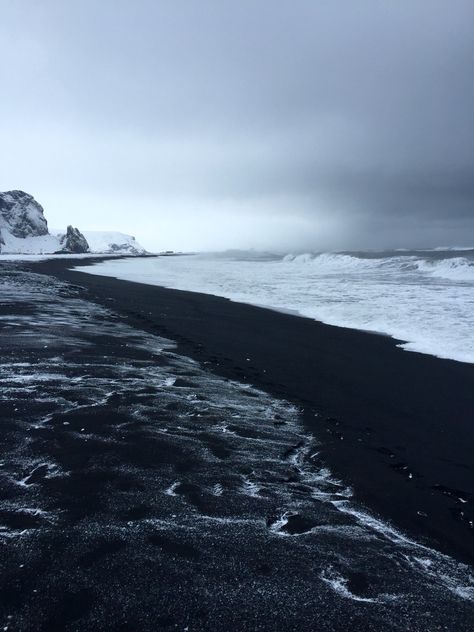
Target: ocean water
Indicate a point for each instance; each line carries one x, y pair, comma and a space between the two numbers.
424, 299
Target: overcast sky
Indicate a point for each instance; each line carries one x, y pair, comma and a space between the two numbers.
292, 125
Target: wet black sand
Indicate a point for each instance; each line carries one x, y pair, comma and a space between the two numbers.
397, 426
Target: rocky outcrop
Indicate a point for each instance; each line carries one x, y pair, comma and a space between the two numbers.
24, 230
74, 241
21, 215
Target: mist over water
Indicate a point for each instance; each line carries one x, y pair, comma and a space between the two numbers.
425, 299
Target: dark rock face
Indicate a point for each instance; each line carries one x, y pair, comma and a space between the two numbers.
74, 241
21, 215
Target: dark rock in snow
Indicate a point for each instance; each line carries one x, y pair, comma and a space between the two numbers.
74, 241
21, 215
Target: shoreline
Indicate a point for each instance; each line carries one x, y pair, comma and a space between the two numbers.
440, 334
394, 425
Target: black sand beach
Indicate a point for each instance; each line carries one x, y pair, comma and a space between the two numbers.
398, 426
141, 490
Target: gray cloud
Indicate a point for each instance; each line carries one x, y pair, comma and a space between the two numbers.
268, 124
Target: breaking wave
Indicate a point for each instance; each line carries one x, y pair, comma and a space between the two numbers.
451, 268
456, 269
333, 263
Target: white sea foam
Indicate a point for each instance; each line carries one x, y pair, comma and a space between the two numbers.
339, 585
456, 268
217, 489
424, 299
170, 491
250, 488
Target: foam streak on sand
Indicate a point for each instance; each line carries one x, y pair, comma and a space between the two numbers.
157, 483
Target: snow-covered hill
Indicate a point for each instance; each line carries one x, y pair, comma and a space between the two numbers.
24, 230
39, 245
113, 243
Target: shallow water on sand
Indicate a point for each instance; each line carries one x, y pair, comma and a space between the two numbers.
137, 487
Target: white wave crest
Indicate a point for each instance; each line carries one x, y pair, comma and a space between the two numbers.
328, 262
453, 269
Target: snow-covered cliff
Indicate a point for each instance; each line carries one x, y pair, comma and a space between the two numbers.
113, 243
21, 216
24, 230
